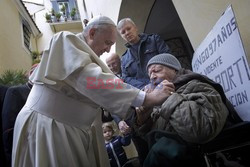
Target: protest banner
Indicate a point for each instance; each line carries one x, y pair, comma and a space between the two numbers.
222, 58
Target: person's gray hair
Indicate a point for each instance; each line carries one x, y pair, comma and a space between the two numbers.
123, 21
98, 22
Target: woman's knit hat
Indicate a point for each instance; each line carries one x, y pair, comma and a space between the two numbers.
165, 59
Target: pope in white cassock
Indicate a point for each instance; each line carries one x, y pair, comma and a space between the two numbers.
60, 122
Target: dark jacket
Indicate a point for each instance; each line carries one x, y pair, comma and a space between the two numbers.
3, 90
115, 150
134, 63
15, 99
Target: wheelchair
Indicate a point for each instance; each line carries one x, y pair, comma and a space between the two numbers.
231, 148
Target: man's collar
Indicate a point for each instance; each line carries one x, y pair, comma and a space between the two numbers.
142, 36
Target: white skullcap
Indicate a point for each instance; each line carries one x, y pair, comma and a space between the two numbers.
99, 20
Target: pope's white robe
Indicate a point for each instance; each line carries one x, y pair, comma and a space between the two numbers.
60, 122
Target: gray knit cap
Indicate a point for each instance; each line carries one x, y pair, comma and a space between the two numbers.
165, 59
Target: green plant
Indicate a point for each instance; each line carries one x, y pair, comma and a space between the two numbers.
35, 54
48, 17
35, 57
13, 77
63, 9
73, 9
73, 13
36, 61
58, 16
52, 12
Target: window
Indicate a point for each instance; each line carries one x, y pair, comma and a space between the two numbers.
26, 35
64, 5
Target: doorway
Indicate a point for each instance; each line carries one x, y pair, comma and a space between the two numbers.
164, 20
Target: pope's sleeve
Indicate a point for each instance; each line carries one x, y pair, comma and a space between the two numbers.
104, 89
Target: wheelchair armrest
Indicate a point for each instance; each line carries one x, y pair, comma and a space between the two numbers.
231, 137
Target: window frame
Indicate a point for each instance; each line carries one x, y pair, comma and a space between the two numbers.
26, 38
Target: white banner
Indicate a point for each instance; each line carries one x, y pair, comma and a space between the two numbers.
221, 57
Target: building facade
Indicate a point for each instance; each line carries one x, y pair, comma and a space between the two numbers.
18, 36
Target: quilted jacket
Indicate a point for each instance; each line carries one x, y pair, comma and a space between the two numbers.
197, 111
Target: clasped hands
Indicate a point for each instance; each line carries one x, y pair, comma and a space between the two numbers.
161, 91
124, 128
